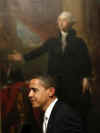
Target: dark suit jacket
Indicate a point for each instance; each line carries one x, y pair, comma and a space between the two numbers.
64, 120
69, 67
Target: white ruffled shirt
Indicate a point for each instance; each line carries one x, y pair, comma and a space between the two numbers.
64, 43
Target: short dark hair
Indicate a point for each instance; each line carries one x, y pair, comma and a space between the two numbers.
46, 80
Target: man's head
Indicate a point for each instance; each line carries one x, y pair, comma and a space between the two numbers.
65, 21
41, 91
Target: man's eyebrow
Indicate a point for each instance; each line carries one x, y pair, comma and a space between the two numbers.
33, 88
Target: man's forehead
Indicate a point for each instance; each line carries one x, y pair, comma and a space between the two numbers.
65, 14
34, 81
62, 18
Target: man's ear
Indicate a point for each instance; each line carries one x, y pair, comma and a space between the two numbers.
51, 91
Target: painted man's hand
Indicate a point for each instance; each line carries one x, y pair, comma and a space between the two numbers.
85, 85
16, 56
88, 84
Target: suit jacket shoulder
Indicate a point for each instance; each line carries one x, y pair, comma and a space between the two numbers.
63, 119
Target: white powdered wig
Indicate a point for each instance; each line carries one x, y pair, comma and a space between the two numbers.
68, 15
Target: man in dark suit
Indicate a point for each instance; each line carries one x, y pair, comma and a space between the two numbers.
58, 117
68, 61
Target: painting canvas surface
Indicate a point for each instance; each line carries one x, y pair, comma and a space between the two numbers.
24, 25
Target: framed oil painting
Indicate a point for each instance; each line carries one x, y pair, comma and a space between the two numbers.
24, 26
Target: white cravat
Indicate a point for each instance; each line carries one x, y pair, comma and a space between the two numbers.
64, 35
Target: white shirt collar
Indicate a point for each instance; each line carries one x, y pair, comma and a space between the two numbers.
47, 115
64, 34
49, 109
